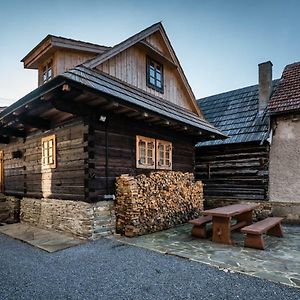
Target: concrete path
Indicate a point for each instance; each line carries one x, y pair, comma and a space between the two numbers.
106, 269
47, 240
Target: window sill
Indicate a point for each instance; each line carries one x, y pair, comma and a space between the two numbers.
151, 86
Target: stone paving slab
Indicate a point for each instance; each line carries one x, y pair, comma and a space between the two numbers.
279, 262
47, 240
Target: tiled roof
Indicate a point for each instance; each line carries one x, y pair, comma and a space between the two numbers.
235, 113
286, 98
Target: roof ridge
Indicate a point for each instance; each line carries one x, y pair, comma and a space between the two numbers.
292, 65
76, 40
235, 90
113, 49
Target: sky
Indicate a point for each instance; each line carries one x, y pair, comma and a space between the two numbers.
219, 43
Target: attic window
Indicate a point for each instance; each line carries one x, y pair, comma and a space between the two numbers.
155, 74
47, 73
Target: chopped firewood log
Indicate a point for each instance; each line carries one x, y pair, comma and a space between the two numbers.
155, 202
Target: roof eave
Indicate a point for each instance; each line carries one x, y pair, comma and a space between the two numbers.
285, 112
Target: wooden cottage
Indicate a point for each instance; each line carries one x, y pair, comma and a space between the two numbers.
237, 168
99, 112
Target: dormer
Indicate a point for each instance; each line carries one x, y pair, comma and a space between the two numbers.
54, 55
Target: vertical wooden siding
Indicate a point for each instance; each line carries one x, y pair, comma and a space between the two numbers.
236, 171
130, 66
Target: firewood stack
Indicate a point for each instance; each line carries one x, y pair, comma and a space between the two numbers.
155, 202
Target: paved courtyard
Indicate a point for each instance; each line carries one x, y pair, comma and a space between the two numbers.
279, 262
47, 240
107, 269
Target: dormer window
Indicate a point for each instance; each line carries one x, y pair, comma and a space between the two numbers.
155, 75
47, 73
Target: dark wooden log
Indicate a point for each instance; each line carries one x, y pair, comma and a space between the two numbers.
237, 171
8, 131
4, 140
35, 122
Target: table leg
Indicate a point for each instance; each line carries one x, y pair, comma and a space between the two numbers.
246, 216
221, 230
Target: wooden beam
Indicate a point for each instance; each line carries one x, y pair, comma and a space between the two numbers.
35, 122
111, 105
4, 140
73, 108
133, 114
157, 54
122, 110
12, 132
142, 116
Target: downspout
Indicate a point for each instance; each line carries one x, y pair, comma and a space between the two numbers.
106, 157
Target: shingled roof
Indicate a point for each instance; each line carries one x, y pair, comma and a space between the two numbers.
105, 83
235, 113
286, 98
115, 91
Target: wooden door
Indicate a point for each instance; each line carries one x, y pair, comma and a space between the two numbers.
1, 171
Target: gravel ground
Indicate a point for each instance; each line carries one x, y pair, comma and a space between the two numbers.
106, 269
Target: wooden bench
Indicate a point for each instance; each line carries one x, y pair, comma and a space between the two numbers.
199, 228
254, 237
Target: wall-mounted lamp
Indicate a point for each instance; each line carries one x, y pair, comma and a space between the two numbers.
102, 118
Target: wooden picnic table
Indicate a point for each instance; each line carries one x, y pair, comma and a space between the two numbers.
222, 220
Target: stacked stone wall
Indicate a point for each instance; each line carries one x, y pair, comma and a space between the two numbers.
9, 209
86, 220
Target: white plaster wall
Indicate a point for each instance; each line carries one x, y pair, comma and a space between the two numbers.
285, 161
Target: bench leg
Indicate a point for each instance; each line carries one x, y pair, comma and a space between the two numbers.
199, 231
244, 217
254, 241
276, 231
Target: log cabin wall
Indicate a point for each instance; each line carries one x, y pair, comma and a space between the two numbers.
24, 176
14, 169
119, 157
234, 172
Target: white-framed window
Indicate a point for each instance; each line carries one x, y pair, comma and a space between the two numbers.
163, 155
153, 154
145, 152
47, 71
49, 151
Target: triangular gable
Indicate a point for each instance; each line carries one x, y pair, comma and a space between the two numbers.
163, 44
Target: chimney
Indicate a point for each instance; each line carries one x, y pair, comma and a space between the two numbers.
265, 84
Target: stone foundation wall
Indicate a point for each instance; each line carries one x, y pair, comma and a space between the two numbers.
9, 209
86, 220
156, 202
290, 211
